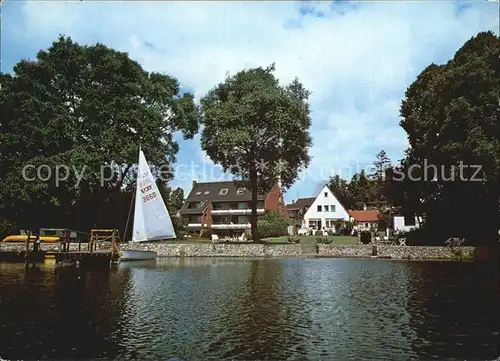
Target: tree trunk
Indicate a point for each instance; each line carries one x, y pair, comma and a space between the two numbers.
253, 204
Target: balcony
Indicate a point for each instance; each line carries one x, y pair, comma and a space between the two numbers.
236, 211
221, 225
231, 226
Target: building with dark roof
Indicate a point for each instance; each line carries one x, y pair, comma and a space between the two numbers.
224, 209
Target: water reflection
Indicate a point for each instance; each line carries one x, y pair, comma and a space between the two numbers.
222, 309
56, 312
455, 310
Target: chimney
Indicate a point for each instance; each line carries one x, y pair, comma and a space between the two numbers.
194, 183
364, 207
293, 201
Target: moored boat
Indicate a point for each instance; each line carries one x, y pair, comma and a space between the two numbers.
152, 221
21, 238
136, 255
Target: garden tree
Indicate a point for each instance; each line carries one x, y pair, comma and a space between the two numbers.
340, 188
258, 130
174, 199
451, 115
84, 107
381, 165
272, 224
362, 190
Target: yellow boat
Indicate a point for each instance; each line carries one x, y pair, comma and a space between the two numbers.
21, 238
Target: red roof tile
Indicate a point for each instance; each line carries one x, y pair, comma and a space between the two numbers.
365, 216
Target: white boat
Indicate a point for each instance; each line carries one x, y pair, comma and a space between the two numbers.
152, 221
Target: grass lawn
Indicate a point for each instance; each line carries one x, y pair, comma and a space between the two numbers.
274, 240
312, 239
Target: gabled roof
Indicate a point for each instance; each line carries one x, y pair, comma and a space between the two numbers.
300, 203
365, 216
224, 191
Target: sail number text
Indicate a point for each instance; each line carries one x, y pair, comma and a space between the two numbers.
149, 196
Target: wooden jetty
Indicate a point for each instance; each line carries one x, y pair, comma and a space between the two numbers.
102, 248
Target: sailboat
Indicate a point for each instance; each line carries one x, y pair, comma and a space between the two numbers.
152, 221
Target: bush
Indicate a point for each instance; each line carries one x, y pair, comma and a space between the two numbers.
318, 233
293, 239
180, 234
345, 231
206, 234
365, 237
272, 224
324, 240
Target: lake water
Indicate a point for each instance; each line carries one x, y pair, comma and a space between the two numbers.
220, 309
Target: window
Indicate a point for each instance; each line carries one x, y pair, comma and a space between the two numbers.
319, 208
198, 193
332, 208
240, 191
326, 208
223, 192
325, 194
194, 219
206, 192
242, 205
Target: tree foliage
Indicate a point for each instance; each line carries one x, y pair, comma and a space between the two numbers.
451, 115
84, 107
272, 224
258, 130
362, 189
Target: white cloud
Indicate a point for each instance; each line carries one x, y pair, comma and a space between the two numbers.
356, 59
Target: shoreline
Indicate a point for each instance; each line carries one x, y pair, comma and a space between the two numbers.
255, 250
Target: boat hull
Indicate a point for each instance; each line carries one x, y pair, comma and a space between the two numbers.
136, 255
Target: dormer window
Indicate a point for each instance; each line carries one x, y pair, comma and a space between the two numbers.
223, 192
240, 191
206, 192
198, 193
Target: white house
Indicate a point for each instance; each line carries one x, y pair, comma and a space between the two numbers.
406, 224
324, 212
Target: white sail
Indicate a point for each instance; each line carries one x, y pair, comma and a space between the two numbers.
151, 218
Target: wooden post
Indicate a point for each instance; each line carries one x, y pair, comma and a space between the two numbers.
67, 240
27, 249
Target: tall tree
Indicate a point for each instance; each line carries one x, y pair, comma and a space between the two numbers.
451, 115
362, 189
340, 188
83, 107
258, 130
380, 165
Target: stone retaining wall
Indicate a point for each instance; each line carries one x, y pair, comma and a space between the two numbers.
278, 250
395, 252
220, 250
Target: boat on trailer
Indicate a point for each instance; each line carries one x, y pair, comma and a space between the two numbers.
152, 221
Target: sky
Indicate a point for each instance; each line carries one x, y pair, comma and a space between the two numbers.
357, 59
